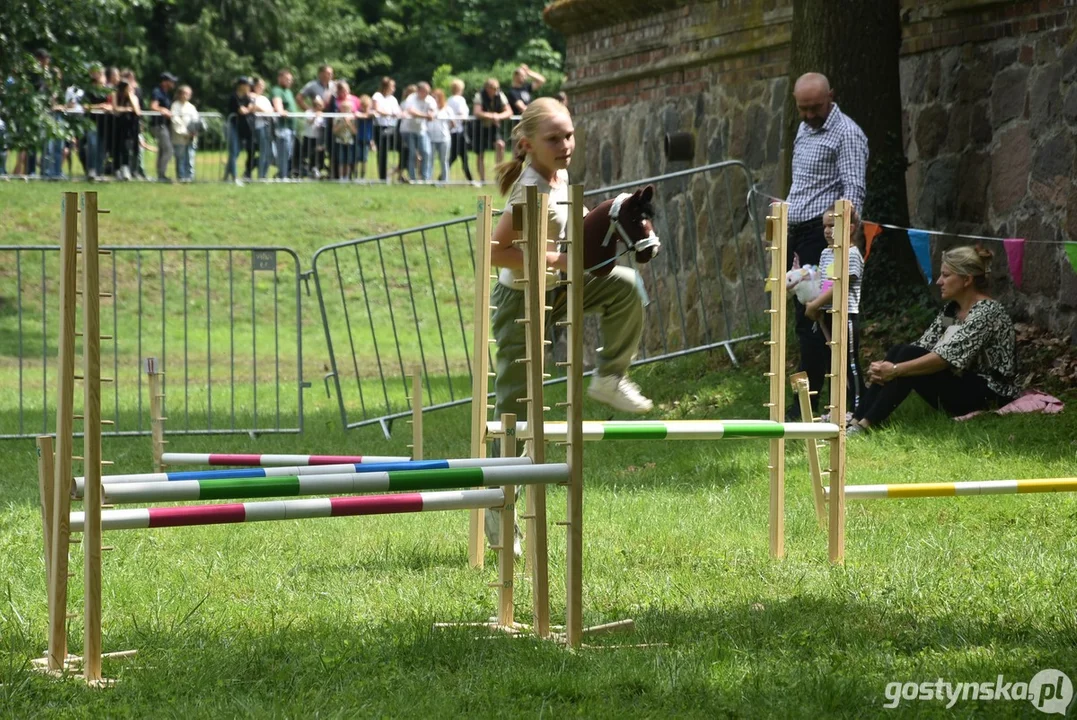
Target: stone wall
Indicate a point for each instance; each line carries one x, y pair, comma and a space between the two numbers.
990, 120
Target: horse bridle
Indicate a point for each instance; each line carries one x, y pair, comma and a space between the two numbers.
651, 241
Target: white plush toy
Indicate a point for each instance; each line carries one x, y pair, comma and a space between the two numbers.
806, 282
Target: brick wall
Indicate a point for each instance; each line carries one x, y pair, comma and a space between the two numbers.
990, 116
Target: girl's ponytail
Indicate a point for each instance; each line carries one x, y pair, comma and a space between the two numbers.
509, 171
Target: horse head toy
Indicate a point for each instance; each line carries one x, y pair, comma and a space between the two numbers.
626, 218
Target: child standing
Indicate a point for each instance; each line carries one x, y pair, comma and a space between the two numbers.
364, 137
184, 118
344, 130
438, 129
817, 308
312, 149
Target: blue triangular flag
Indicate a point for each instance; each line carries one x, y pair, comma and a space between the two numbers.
921, 245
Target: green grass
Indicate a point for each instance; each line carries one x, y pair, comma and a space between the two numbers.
214, 299
334, 617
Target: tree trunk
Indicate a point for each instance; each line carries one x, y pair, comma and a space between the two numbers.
856, 45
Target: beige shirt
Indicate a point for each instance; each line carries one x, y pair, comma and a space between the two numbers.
556, 212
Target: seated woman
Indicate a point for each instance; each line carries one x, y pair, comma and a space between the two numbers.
965, 361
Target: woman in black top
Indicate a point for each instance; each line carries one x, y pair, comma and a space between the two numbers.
128, 115
240, 128
965, 361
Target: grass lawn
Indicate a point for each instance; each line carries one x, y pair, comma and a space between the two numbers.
334, 617
212, 298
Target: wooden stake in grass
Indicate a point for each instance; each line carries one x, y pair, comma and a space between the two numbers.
91, 355
506, 555
534, 320
45, 480
480, 377
574, 422
416, 414
799, 382
839, 349
157, 419
776, 228
65, 432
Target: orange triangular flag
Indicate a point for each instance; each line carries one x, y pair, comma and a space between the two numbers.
871, 231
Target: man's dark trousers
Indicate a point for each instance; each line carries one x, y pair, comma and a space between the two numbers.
806, 239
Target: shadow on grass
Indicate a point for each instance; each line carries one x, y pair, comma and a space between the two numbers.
794, 657
1032, 436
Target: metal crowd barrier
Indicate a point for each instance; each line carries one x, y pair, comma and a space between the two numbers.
258, 147
117, 146
225, 324
346, 147
403, 300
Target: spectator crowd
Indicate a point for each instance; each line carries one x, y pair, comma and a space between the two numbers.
319, 131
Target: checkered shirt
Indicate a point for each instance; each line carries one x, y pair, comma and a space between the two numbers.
828, 164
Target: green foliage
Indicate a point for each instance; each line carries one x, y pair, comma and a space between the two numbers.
74, 33
208, 43
442, 78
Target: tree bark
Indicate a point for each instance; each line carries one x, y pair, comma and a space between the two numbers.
856, 45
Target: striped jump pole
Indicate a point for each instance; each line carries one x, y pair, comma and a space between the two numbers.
267, 472
683, 430
189, 515
245, 460
339, 484
958, 489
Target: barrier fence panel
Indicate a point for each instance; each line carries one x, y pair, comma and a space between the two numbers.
401, 300
309, 146
224, 324
345, 147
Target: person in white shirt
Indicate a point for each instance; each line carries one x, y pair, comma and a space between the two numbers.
438, 129
459, 130
184, 123
418, 109
263, 126
386, 112
312, 150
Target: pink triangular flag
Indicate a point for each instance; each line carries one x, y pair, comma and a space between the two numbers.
1015, 254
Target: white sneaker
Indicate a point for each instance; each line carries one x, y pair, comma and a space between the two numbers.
619, 393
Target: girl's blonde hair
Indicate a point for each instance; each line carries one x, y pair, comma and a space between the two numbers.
531, 121
456, 86
974, 262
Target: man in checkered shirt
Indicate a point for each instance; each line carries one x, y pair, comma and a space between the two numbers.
830, 158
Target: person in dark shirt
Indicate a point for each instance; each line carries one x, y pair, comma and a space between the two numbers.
520, 93
98, 97
128, 108
160, 102
490, 108
240, 128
